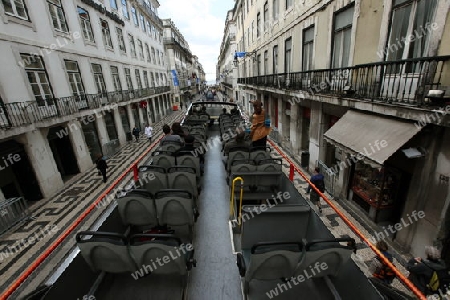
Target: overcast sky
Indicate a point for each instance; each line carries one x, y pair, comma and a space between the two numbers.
201, 22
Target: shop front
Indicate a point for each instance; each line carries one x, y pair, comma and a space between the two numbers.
372, 162
375, 189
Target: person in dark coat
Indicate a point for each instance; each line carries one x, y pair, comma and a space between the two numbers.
136, 132
421, 270
318, 180
101, 166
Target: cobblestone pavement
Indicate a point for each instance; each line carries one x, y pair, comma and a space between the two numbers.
22, 245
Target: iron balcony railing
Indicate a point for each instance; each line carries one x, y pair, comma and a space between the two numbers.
399, 82
150, 12
172, 41
24, 113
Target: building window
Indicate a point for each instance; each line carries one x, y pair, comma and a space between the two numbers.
266, 15
149, 28
85, 21
37, 76
147, 51
106, 34
275, 60
152, 79
275, 7
125, 9
410, 18
113, 4
143, 23
342, 38
288, 4
153, 56
128, 79
134, 15
287, 55
76, 84
121, 40
146, 79
253, 30
308, 46
57, 15
116, 79
132, 45
158, 57
141, 50
137, 73
258, 24
98, 78
266, 62
15, 8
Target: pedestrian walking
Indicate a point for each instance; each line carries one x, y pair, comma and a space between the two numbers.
181, 105
381, 270
136, 132
101, 166
318, 180
148, 132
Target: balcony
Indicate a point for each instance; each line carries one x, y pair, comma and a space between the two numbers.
404, 82
24, 113
172, 41
150, 13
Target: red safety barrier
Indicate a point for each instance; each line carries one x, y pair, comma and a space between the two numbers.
399, 275
135, 172
291, 173
72, 227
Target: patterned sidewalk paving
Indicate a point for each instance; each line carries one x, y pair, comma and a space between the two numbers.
22, 245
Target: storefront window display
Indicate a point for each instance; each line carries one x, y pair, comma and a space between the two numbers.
376, 185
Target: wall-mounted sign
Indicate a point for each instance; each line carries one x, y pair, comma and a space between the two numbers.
102, 9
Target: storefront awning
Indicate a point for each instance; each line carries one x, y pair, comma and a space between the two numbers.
376, 138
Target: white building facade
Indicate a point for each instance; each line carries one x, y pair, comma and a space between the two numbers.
76, 77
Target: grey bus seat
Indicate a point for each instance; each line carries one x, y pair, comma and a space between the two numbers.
172, 147
329, 252
242, 165
138, 208
269, 165
183, 178
153, 178
146, 249
270, 261
164, 160
235, 155
259, 155
190, 161
105, 251
175, 208
197, 131
255, 230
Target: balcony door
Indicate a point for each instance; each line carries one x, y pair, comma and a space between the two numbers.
408, 38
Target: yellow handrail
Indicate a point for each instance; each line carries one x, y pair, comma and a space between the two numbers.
232, 198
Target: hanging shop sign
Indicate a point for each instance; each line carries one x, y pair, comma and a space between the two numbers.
102, 9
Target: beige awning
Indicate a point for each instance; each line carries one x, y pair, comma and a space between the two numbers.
374, 137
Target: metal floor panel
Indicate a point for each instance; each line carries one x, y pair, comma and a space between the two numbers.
216, 275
